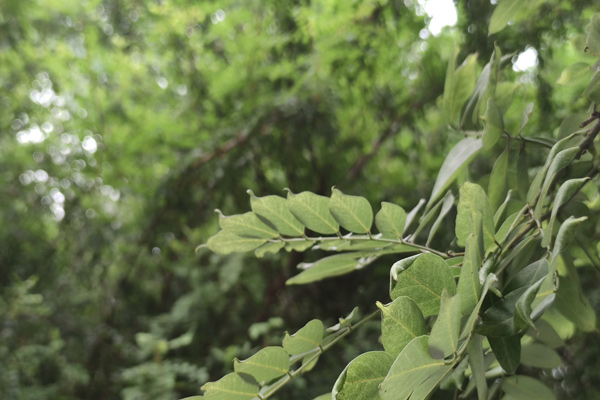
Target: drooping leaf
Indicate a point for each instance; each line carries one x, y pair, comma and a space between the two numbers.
361, 378
300, 245
412, 214
476, 362
312, 211
498, 185
570, 75
565, 192
306, 339
274, 210
246, 225
572, 303
528, 275
526, 114
232, 386
353, 213
523, 306
507, 350
469, 285
498, 320
538, 355
565, 237
426, 389
266, 248
521, 387
459, 85
592, 42
562, 160
447, 205
472, 200
225, 242
411, 368
571, 124
390, 220
494, 125
269, 363
401, 322
490, 279
545, 333
503, 13
461, 154
443, 340
423, 281
328, 267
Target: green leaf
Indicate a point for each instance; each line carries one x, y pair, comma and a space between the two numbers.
246, 225
459, 85
528, 276
565, 192
574, 72
401, 322
490, 279
572, 303
592, 42
353, 213
361, 378
461, 154
326, 396
225, 242
443, 340
507, 350
522, 174
306, 339
469, 286
562, 160
425, 389
498, 320
503, 13
526, 115
232, 386
390, 220
423, 281
523, 306
328, 267
498, 185
565, 237
272, 247
300, 245
313, 211
274, 210
494, 125
411, 368
269, 363
571, 124
476, 362
473, 199
545, 333
521, 387
447, 205
538, 355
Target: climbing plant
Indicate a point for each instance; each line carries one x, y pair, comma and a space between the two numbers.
476, 311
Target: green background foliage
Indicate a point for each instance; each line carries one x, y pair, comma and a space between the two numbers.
126, 123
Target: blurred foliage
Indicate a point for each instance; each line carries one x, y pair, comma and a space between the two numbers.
125, 123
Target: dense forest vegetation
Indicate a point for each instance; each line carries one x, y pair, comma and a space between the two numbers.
127, 123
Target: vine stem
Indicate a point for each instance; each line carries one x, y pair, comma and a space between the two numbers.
286, 378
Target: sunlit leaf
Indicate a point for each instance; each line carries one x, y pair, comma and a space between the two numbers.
401, 322
570, 75
306, 339
328, 267
504, 12
459, 87
269, 363
353, 213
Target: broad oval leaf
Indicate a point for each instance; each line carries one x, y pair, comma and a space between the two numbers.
521, 387
562, 160
361, 378
390, 220
353, 213
411, 368
328, 267
401, 322
443, 340
246, 225
538, 355
225, 242
313, 211
423, 281
274, 210
306, 339
461, 154
269, 363
232, 386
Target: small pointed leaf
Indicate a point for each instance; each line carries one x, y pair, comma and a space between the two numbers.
494, 125
498, 185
